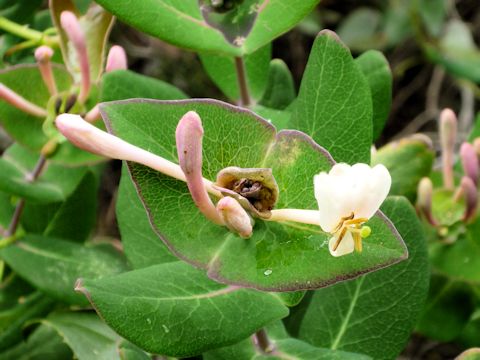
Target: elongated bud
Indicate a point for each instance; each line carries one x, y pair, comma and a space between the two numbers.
116, 59
469, 161
189, 136
92, 139
235, 217
93, 115
72, 28
20, 103
448, 134
43, 54
469, 192
424, 199
476, 146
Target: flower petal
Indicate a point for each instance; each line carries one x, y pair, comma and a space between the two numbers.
345, 247
373, 192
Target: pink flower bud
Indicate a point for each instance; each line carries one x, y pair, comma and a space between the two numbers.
469, 161
93, 115
72, 28
189, 136
43, 54
469, 191
117, 59
235, 217
448, 134
20, 103
424, 200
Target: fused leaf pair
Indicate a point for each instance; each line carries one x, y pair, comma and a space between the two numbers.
281, 254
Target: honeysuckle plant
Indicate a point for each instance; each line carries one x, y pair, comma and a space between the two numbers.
228, 212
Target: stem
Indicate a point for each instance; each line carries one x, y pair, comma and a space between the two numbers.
12, 228
25, 32
262, 341
242, 81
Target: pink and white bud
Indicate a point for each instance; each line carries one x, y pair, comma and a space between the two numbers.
469, 159
43, 54
188, 135
72, 28
424, 199
235, 217
116, 59
93, 115
469, 191
90, 138
448, 135
20, 103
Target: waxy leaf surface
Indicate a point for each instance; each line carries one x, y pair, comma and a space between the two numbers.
168, 308
140, 242
386, 303
334, 105
175, 22
53, 265
279, 256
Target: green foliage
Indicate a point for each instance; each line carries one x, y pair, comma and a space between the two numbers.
344, 316
141, 244
280, 89
294, 159
158, 18
221, 70
54, 265
124, 84
375, 67
149, 308
334, 105
408, 160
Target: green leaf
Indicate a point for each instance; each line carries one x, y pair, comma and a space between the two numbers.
280, 90
445, 208
457, 52
124, 84
375, 313
159, 17
12, 320
24, 128
376, 69
416, 153
163, 307
460, 259
279, 256
433, 13
360, 30
221, 70
54, 184
278, 118
53, 265
88, 337
334, 105
141, 244
43, 343
283, 347
73, 219
96, 25
275, 18
442, 317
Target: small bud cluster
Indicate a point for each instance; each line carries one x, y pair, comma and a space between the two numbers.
470, 160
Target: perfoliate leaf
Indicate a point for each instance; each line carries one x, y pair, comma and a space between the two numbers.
279, 256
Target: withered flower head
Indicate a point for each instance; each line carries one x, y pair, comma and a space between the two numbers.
254, 188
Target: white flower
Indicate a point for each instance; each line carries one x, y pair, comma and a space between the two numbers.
348, 196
